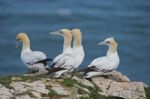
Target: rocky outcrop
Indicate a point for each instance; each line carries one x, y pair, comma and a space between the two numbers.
114, 85
5, 92
127, 90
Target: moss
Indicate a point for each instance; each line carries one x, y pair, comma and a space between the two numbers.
5, 81
52, 93
13, 98
8, 79
95, 94
147, 91
77, 74
69, 82
84, 86
113, 97
84, 97
81, 91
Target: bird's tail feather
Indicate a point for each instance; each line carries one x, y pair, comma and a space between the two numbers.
87, 69
57, 74
90, 74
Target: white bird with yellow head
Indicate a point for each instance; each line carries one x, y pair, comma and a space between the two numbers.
106, 64
35, 60
78, 50
66, 60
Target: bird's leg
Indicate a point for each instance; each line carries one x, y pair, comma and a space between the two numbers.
33, 70
73, 72
28, 71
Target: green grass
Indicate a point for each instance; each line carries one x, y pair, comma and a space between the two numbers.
147, 91
8, 79
69, 82
94, 94
5, 81
113, 97
52, 93
81, 91
84, 97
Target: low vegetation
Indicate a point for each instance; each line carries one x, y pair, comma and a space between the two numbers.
147, 91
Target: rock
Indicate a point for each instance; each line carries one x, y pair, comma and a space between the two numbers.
16, 78
18, 88
24, 97
83, 81
4, 97
117, 76
86, 90
39, 86
5, 93
83, 95
65, 91
127, 90
116, 85
52, 84
36, 95
36, 88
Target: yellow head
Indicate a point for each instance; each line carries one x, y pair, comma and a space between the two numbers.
66, 33
63, 32
111, 43
77, 37
24, 39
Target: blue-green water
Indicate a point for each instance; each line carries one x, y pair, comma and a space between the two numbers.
126, 20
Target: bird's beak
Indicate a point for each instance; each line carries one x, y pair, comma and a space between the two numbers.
17, 44
102, 43
55, 33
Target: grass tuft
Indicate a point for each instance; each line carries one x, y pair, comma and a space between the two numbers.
147, 91
81, 91
69, 82
52, 93
5, 81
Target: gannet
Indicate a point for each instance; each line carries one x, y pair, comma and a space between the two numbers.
65, 61
78, 50
105, 64
34, 60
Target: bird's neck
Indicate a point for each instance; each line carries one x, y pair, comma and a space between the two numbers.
26, 43
67, 43
112, 49
77, 42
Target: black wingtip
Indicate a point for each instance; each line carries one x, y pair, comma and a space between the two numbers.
47, 68
49, 59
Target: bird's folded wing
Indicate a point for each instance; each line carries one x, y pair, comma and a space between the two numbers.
56, 60
44, 61
66, 61
34, 57
100, 63
88, 69
52, 70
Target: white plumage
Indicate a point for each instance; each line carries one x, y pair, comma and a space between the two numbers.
65, 61
34, 60
78, 50
105, 64
31, 57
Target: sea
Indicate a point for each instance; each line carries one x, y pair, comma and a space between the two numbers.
128, 21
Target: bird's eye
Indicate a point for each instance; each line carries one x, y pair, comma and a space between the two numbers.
108, 42
61, 32
18, 39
